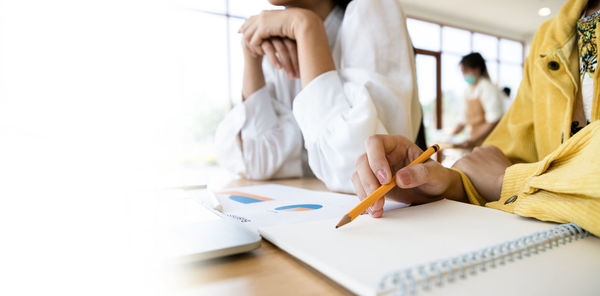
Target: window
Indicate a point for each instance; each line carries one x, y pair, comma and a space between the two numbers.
424, 35
205, 96
236, 60
511, 51
511, 66
453, 87
217, 6
456, 41
211, 71
486, 45
247, 8
427, 85
504, 59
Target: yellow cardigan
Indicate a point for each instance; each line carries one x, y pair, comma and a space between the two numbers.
556, 176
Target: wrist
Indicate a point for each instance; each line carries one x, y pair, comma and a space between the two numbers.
314, 54
252, 59
253, 65
253, 78
498, 192
455, 189
304, 23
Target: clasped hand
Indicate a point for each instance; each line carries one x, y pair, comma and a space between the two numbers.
273, 33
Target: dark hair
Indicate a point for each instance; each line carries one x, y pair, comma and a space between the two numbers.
342, 3
475, 61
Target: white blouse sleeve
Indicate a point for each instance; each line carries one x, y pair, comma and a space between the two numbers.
372, 91
492, 101
259, 138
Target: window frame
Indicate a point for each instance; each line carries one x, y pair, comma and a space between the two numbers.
228, 16
472, 31
439, 55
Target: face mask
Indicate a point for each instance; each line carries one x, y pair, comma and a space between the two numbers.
470, 79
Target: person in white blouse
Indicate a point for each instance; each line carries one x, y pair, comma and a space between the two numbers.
484, 102
336, 73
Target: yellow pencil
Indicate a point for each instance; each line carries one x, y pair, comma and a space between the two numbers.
382, 190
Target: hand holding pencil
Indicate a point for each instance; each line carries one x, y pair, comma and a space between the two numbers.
415, 184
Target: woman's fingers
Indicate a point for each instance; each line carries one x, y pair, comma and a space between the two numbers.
358, 189
373, 168
293, 51
369, 183
377, 159
268, 26
367, 179
248, 30
246, 24
250, 38
270, 52
282, 54
256, 39
284, 57
248, 48
376, 210
244, 29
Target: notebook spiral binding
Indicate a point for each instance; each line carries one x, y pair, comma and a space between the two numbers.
423, 277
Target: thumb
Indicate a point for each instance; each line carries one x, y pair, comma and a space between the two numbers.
413, 176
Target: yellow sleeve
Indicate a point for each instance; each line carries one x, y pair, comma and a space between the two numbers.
472, 194
514, 133
563, 187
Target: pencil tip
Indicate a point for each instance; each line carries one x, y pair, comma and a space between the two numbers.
345, 220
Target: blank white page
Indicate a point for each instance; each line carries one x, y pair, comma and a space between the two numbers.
359, 254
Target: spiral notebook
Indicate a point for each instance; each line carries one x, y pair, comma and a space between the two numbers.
447, 248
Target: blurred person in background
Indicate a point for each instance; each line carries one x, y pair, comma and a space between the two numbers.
484, 102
